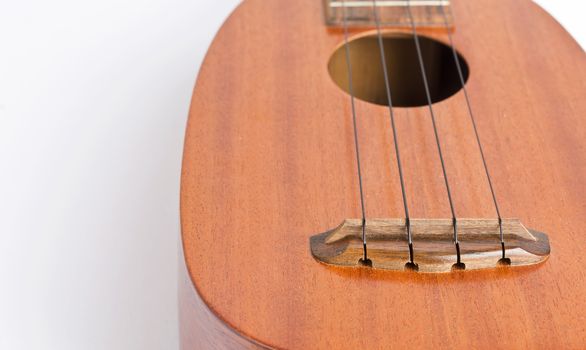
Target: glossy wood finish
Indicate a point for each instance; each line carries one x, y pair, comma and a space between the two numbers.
269, 161
199, 328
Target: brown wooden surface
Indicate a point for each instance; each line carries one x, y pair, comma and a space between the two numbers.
199, 328
269, 161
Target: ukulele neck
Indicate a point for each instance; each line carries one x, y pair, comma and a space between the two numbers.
391, 13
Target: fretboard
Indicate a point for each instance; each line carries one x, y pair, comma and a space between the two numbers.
391, 13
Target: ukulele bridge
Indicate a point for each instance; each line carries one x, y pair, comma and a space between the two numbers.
433, 244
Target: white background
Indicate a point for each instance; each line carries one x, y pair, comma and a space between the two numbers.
93, 103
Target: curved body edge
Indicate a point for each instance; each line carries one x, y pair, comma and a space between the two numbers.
199, 327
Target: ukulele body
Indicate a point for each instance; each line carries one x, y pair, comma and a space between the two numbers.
269, 161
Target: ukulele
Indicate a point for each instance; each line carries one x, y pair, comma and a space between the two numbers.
384, 174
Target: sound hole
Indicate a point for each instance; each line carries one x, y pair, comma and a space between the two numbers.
404, 70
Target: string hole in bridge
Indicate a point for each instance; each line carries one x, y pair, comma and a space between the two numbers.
367, 262
459, 266
404, 71
411, 267
504, 262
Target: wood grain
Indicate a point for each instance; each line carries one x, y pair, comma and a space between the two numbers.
269, 161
